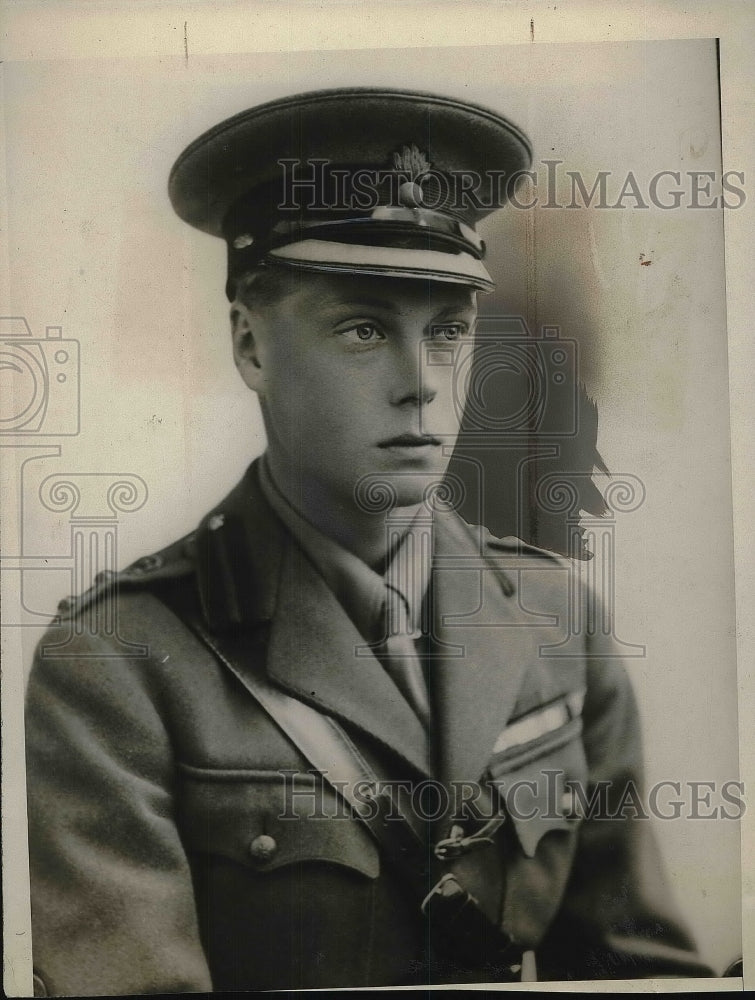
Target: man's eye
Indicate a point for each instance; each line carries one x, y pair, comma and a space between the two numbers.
362, 333
448, 331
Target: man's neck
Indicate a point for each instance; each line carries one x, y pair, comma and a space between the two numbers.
361, 532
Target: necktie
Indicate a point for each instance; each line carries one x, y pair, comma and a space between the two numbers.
398, 654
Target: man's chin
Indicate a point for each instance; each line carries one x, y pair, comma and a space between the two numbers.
386, 490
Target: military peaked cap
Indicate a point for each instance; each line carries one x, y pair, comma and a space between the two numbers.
376, 181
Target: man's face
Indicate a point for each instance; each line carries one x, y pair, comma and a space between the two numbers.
341, 368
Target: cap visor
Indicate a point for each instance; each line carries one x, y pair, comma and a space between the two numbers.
322, 255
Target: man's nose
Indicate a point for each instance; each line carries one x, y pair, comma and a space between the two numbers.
414, 381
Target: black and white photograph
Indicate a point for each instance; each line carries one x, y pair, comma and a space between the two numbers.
372, 476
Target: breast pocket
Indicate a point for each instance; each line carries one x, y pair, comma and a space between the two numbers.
284, 879
266, 820
540, 781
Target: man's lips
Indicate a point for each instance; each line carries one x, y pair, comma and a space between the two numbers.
410, 441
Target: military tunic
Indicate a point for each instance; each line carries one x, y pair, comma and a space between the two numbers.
178, 842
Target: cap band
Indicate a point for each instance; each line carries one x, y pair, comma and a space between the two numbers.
382, 226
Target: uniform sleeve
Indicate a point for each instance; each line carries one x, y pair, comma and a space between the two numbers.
111, 893
618, 919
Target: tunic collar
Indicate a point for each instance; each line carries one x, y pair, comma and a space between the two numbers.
359, 589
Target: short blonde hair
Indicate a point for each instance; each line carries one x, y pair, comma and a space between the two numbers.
265, 285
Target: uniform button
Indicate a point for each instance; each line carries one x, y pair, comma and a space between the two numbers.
216, 521
263, 848
569, 804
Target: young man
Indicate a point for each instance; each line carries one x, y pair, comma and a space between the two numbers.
324, 744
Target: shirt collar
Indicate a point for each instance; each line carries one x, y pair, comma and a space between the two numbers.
359, 589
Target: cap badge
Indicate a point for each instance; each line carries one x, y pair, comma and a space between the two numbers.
414, 163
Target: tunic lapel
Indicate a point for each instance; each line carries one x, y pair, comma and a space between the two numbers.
482, 647
316, 652
250, 572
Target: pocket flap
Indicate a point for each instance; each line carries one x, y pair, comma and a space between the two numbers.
266, 819
535, 784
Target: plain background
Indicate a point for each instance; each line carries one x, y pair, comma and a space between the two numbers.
96, 249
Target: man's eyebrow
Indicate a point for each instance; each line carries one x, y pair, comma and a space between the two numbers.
361, 301
455, 310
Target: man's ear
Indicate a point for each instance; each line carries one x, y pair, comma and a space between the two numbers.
245, 346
